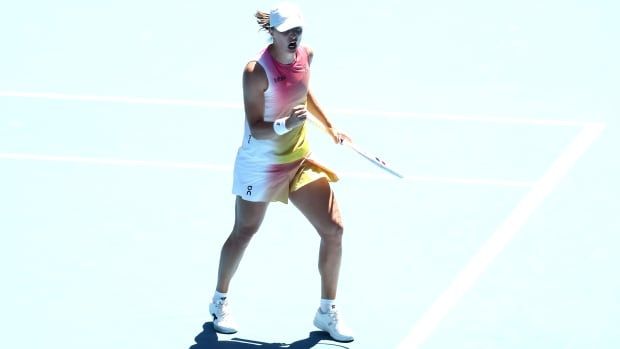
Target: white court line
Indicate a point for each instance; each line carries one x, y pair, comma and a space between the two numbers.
487, 253
120, 99
225, 168
472, 181
223, 105
429, 321
453, 117
113, 161
343, 111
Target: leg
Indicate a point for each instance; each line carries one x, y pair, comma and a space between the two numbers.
248, 218
317, 202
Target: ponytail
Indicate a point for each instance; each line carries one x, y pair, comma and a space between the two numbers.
262, 18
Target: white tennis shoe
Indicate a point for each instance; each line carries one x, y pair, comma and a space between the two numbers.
331, 323
222, 320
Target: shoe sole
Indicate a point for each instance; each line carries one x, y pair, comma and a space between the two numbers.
221, 330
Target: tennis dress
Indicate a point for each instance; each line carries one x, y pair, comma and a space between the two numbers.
268, 169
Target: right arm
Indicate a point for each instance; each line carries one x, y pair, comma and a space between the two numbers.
254, 86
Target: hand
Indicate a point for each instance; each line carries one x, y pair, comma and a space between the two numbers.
339, 137
298, 117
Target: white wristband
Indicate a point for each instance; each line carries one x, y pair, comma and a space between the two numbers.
279, 126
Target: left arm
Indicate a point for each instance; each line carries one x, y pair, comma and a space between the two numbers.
315, 109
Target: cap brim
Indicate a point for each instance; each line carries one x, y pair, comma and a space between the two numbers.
289, 24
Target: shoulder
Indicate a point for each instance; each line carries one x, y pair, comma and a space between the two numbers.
253, 67
309, 53
254, 74
256, 65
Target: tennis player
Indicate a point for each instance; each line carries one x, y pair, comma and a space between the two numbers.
273, 164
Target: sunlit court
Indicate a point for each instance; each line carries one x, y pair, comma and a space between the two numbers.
119, 126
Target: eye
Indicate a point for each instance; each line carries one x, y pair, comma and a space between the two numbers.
296, 30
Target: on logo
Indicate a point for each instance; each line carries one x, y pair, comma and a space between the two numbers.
249, 190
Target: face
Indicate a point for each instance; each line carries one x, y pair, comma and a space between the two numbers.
289, 39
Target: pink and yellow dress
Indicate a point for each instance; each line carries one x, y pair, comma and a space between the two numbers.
269, 169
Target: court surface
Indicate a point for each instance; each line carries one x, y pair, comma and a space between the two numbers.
119, 123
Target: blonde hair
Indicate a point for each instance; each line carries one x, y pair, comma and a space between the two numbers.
262, 18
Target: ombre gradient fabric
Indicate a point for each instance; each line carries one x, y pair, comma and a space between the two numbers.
267, 169
288, 87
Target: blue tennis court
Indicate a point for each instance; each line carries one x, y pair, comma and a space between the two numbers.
119, 124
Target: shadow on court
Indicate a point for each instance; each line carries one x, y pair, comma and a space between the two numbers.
208, 339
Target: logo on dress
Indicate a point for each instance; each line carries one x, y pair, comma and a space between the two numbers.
279, 78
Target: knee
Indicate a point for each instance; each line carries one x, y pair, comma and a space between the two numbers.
244, 232
332, 232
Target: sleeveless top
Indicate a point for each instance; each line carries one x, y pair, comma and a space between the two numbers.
287, 88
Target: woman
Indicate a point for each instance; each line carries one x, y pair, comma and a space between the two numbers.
274, 164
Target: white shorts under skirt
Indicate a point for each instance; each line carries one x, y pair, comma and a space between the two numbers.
268, 183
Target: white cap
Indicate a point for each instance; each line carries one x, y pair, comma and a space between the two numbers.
285, 16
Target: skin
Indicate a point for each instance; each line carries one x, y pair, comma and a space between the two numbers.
315, 200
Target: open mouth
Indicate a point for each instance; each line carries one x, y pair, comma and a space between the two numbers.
292, 45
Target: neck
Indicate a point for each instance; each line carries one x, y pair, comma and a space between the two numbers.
282, 56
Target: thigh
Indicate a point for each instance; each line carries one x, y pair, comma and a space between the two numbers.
249, 215
317, 202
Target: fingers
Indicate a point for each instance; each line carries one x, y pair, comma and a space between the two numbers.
298, 116
344, 138
299, 107
300, 112
339, 137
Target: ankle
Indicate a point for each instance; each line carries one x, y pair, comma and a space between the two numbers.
328, 305
217, 296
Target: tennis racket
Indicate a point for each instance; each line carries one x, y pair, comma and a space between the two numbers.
372, 158
368, 156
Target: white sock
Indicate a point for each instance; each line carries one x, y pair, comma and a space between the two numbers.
327, 305
219, 295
